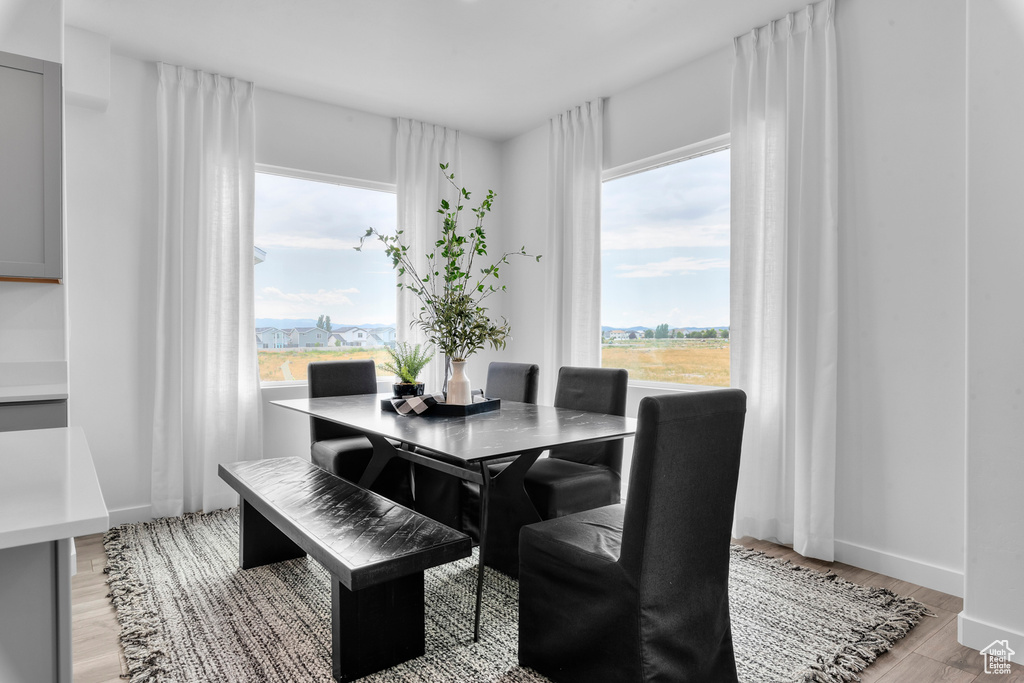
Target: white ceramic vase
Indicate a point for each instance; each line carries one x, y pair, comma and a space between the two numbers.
458, 385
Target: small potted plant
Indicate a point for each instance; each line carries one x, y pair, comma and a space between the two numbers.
406, 362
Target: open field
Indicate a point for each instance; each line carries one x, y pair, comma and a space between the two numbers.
681, 361
297, 360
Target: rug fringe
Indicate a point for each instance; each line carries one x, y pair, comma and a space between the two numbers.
851, 659
144, 650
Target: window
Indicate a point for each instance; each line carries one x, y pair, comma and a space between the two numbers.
309, 281
665, 268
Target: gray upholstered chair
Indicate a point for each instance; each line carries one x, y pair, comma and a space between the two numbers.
512, 381
639, 591
581, 477
456, 502
345, 452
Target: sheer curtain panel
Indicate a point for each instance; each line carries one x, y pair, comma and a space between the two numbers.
784, 274
573, 305
420, 150
206, 384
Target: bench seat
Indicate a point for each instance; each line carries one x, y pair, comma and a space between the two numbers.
375, 550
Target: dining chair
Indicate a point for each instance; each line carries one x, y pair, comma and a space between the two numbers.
454, 501
580, 477
343, 451
639, 591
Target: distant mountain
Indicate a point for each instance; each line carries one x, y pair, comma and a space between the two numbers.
640, 328
636, 328
288, 323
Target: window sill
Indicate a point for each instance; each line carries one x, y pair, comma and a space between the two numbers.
646, 385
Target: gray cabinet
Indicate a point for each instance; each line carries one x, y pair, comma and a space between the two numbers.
30, 169
33, 415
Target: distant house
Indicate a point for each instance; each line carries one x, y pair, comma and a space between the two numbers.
353, 336
618, 334
271, 338
387, 335
304, 337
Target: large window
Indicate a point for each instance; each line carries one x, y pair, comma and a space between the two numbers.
316, 297
665, 271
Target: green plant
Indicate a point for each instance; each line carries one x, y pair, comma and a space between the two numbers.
406, 361
451, 292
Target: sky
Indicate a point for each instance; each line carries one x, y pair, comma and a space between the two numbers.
308, 230
665, 245
664, 239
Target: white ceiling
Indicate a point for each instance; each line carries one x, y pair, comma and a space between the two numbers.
491, 67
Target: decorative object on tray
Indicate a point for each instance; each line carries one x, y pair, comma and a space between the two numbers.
406, 363
435, 405
453, 316
458, 389
414, 405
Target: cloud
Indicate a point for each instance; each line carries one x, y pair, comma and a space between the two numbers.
679, 265
658, 236
271, 302
288, 241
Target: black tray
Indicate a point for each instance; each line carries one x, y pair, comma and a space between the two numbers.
446, 410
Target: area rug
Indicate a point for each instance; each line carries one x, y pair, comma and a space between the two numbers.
189, 614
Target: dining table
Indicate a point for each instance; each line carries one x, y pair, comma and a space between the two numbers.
464, 446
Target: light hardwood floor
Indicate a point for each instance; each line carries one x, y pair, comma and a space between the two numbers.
928, 654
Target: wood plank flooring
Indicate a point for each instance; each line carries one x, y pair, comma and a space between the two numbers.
930, 653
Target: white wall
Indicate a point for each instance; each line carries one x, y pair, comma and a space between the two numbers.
111, 161
899, 492
994, 597
899, 496
33, 28
111, 243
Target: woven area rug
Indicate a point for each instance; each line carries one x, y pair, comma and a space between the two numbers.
189, 614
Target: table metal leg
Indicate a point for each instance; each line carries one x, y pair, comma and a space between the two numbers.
485, 489
511, 510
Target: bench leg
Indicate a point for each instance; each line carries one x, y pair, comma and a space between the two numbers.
377, 627
260, 542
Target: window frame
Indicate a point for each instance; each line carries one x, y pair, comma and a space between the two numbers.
673, 156
331, 179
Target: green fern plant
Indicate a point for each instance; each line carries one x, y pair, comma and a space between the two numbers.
407, 361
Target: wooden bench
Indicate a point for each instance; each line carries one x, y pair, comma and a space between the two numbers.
375, 550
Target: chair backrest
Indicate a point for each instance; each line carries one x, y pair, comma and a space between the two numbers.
679, 506
338, 378
513, 381
595, 390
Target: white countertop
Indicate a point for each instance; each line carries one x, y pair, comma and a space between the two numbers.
33, 381
48, 487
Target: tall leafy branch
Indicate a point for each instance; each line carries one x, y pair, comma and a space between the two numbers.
450, 288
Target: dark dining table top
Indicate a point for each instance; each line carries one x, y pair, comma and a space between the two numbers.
512, 429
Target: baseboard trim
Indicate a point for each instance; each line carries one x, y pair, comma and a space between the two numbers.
915, 571
139, 513
977, 634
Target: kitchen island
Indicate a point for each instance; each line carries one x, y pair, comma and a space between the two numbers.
49, 493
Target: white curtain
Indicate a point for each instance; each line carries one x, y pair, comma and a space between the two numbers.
420, 150
784, 285
573, 256
207, 400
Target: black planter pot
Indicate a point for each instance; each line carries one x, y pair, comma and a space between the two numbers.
405, 390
